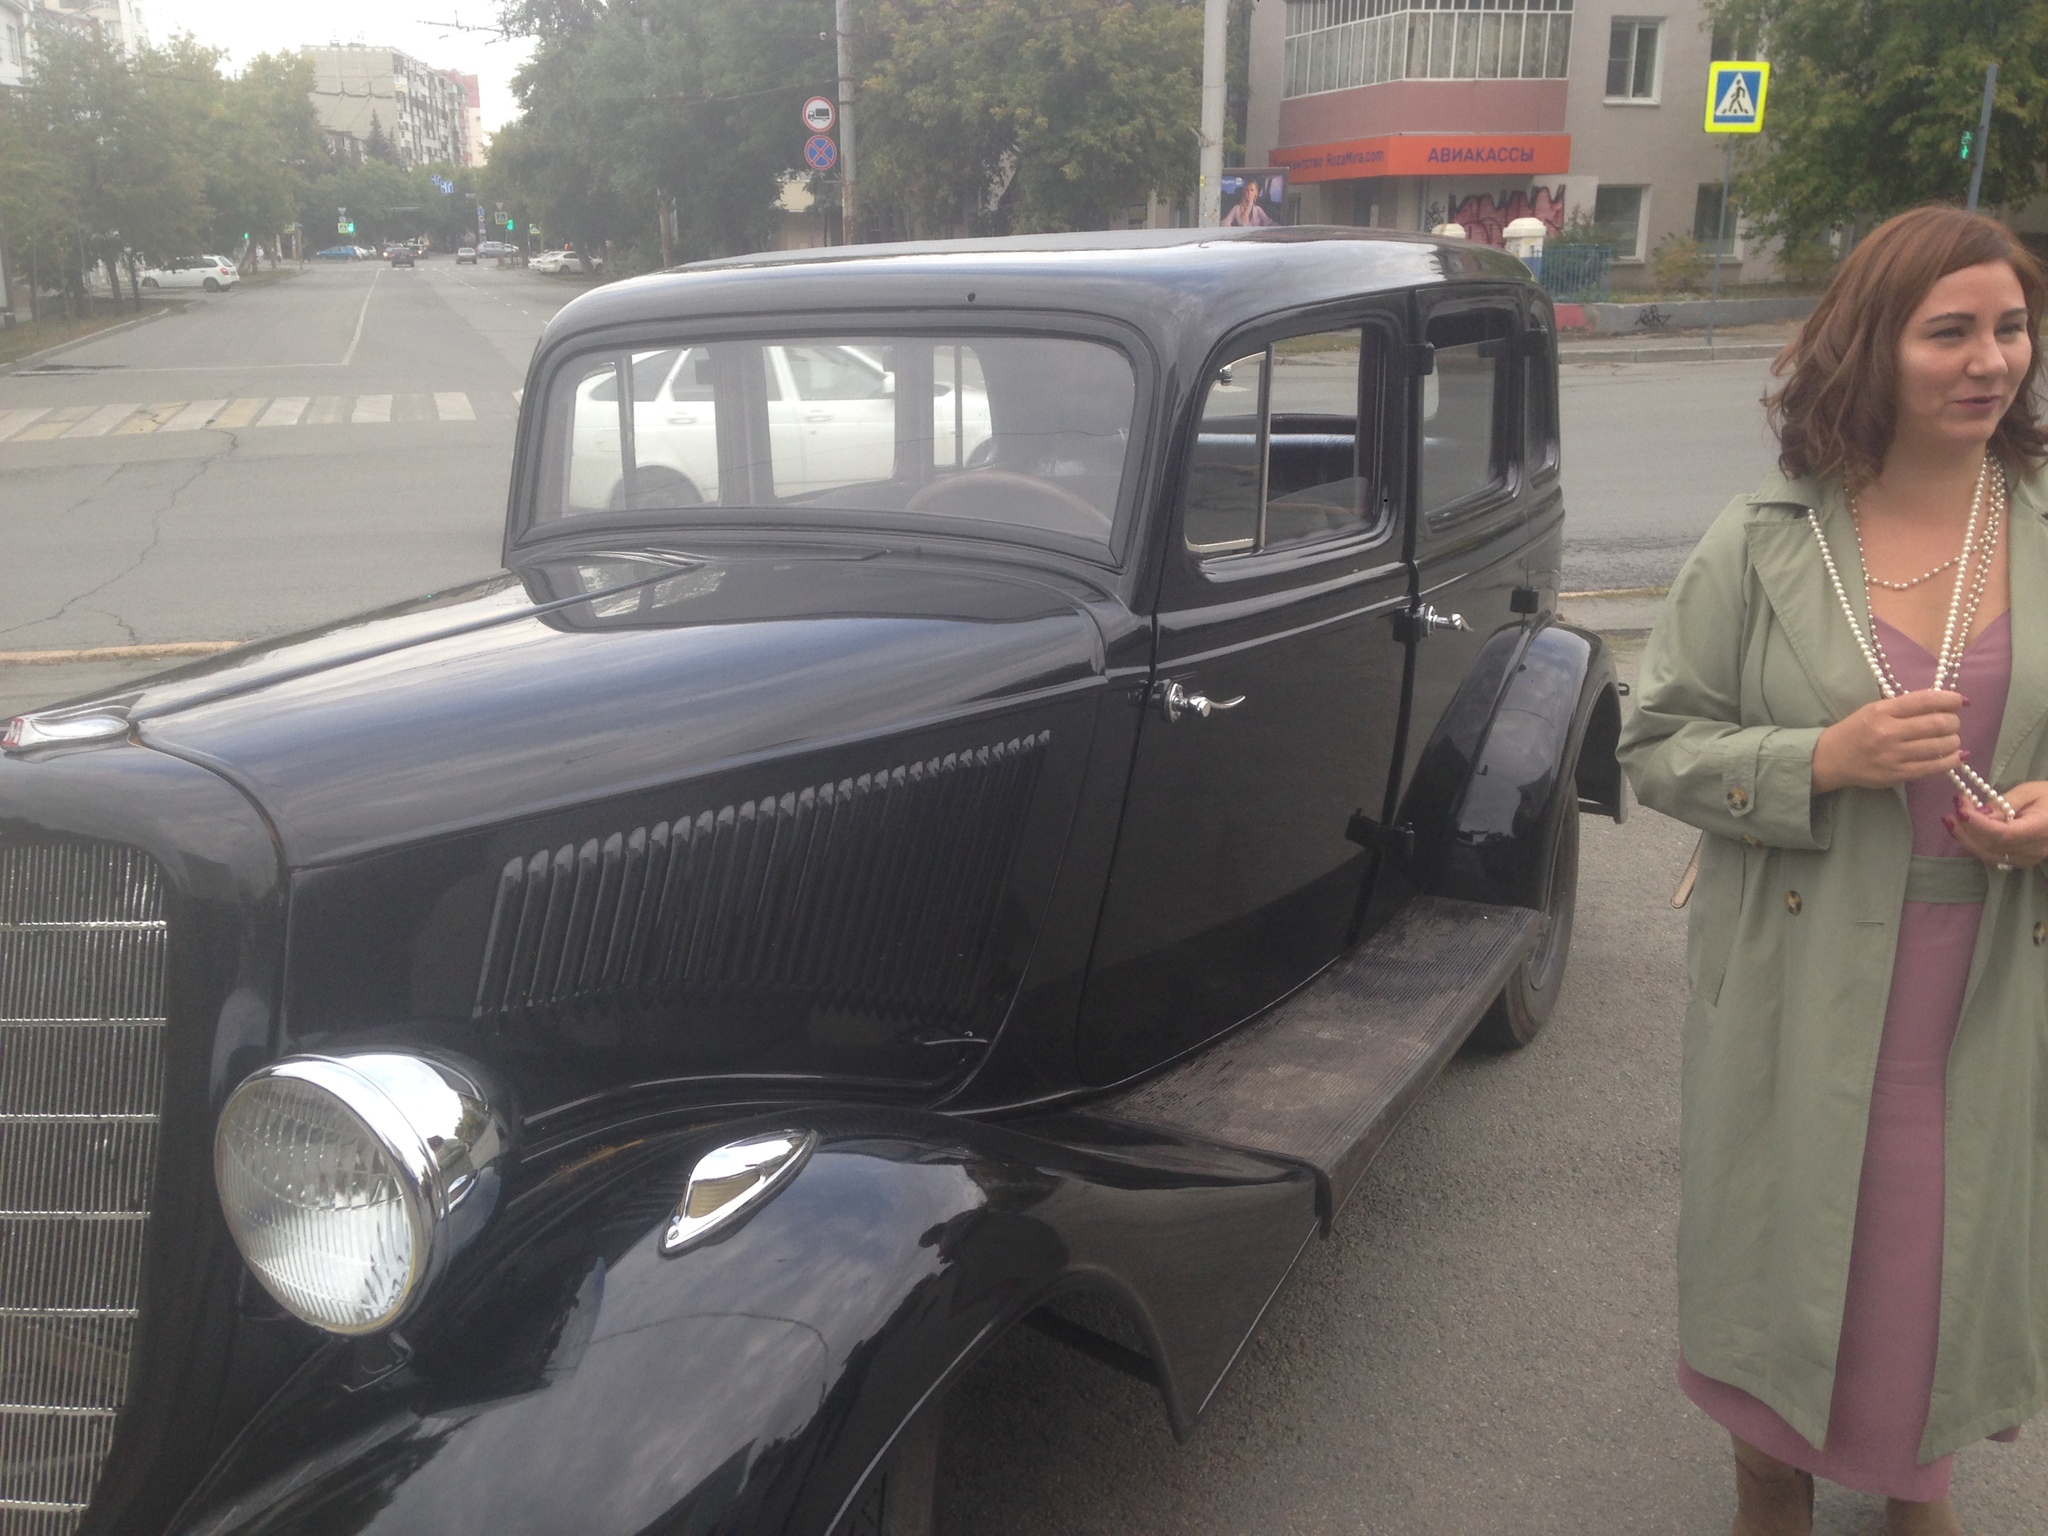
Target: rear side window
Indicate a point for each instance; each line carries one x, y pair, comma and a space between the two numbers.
1287, 445
1464, 407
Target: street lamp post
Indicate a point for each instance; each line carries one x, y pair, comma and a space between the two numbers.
1215, 23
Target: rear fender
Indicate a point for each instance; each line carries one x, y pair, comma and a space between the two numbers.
1491, 791
587, 1382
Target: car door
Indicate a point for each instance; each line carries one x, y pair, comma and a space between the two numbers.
1275, 700
1475, 576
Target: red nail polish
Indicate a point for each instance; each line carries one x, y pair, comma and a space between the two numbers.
1964, 755
1950, 823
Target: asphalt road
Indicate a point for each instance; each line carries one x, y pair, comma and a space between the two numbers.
1485, 1344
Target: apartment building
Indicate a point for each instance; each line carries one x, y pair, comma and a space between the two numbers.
472, 117
14, 42
422, 111
1406, 114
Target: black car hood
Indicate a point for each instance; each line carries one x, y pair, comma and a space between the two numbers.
594, 675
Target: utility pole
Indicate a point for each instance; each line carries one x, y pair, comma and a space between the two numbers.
1215, 22
849, 203
1983, 135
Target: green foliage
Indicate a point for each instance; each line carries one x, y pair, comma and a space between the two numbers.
1869, 99
1027, 114
1679, 264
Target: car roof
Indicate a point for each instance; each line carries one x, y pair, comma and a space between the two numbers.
1147, 277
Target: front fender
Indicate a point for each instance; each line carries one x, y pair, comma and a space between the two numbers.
1493, 786
588, 1383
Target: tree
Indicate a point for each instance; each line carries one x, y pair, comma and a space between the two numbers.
1869, 100
1028, 114
377, 145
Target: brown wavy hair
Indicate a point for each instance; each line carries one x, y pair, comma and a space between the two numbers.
1836, 411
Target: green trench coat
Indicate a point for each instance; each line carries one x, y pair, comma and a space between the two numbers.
1793, 925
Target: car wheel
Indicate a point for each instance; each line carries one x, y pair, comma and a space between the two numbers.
1527, 1001
213, 285
656, 488
899, 1495
149, 282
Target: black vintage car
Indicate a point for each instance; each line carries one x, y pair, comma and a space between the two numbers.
993, 775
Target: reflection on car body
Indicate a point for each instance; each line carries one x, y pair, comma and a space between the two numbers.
993, 775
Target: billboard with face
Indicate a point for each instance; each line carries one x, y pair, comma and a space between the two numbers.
1253, 197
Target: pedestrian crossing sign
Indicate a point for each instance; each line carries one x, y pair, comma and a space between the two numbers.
1735, 96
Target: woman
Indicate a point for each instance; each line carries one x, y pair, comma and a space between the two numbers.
1847, 692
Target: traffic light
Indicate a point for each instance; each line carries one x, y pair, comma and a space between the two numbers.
511, 225
1969, 143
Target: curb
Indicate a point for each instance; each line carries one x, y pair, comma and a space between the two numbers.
159, 652
1720, 352
78, 341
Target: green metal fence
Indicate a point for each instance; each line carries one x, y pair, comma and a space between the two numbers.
1578, 274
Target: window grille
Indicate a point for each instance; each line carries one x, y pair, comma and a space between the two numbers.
1336, 45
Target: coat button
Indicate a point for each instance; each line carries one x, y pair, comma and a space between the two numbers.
1738, 799
2041, 933
1793, 904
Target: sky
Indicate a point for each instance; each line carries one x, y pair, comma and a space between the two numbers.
248, 27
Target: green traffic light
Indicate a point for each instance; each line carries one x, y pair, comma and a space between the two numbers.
1969, 143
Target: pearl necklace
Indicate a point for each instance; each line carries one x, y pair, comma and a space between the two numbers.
1955, 633
1895, 586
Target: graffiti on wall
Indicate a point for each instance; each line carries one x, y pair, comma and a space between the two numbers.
1486, 215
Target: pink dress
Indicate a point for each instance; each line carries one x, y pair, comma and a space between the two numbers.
1884, 1369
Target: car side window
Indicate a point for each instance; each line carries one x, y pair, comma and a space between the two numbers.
1463, 407
836, 373
1280, 458
1539, 406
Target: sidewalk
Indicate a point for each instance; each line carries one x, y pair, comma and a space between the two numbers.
1730, 342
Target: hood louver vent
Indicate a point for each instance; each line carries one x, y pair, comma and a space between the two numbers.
879, 893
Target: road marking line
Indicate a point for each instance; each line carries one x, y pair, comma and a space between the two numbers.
454, 406
194, 416
101, 421
327, 411
118, 653
12, 422
149, 418
371, 408
412, 407
240, 413
56, 424
350, 355
284, 412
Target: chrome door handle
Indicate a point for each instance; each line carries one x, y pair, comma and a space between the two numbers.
1431, 620
1174, 701
817, 416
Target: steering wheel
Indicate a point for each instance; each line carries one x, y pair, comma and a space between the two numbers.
1006, 479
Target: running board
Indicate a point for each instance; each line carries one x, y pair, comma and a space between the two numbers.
1324, 1078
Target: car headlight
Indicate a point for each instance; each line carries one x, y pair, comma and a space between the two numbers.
349, 1181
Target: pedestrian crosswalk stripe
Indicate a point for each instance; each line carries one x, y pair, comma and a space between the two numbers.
284, 412
12, 422
101, 420
41, 424
239, 413
55, 424
149, 418
194, 416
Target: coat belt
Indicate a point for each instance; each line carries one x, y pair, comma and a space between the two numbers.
1952, 882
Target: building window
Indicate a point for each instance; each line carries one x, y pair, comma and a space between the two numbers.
1618, 214
1336, 45
1632, 60
1706, 222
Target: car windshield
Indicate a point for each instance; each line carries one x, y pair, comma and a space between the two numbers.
1023, 433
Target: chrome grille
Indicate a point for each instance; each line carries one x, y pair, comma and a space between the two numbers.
82, 940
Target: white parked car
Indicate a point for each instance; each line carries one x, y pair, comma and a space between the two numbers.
563, 261
213, 273
831, 423
494, 248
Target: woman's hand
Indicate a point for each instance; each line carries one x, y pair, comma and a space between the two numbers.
1890, 742
2021, 843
